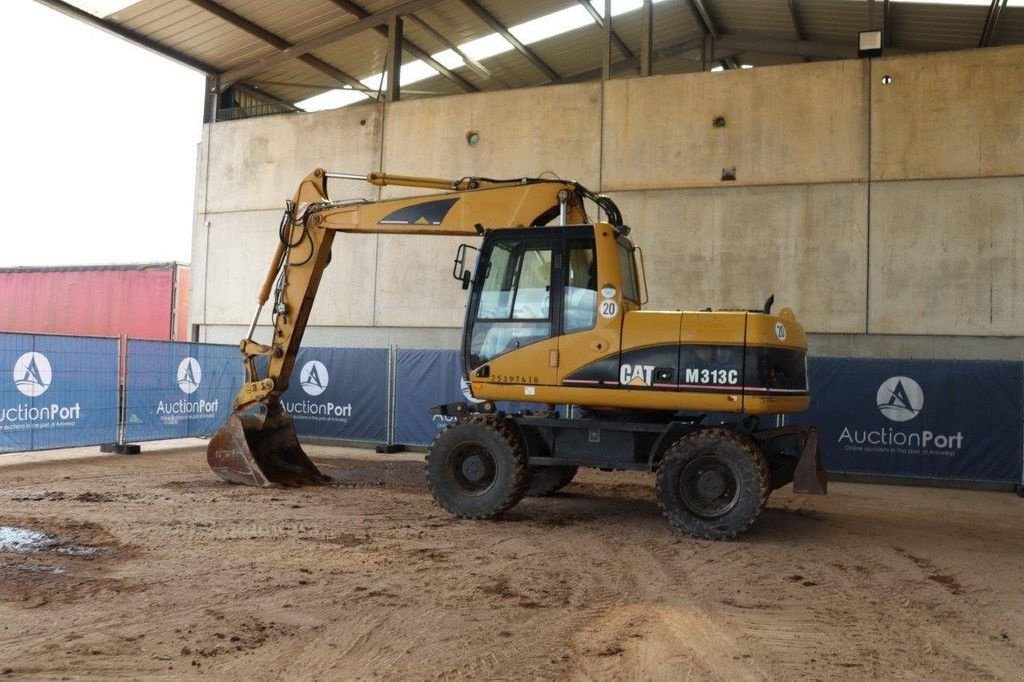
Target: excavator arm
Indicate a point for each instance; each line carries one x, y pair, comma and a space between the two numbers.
257, 445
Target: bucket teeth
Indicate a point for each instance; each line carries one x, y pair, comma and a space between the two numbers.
261, 451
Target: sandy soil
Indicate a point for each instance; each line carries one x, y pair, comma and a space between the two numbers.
157, 569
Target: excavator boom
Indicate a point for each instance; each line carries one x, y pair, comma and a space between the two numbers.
258, 445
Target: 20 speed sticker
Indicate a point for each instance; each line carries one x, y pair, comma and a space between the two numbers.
609, 309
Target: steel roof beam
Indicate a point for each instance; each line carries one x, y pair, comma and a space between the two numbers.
265, 97
275, 40
499, 28
988, 31
129, 35
702, 17
732, 44
410, 47
471, 63
885, 23
268, 62
707, 25
795, 18
646, 37
599, 20
729, 45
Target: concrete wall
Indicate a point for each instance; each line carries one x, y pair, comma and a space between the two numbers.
889, 216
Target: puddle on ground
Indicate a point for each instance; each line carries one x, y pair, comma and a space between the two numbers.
18, 540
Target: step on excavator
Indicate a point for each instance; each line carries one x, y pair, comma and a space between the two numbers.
554, 317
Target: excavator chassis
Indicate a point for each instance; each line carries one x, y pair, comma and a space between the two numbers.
258, 447
793, 453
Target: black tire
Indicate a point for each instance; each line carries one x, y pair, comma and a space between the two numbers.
713, 484
476, 468
548, 480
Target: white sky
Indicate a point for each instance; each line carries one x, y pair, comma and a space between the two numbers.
98, 144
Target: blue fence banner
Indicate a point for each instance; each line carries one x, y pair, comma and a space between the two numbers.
340, 393
941, 419
424, 378
179, 390
57, 391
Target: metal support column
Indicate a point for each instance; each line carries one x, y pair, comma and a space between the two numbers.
210, 99
646, 38
394, 58
606, 55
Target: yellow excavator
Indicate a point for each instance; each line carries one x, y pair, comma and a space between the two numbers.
554, 317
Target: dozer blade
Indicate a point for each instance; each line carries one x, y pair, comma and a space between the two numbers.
261, 450
810, 477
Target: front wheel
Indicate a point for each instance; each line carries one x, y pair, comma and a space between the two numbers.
713, 484
476, 468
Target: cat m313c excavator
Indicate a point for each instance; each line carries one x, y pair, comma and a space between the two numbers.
554, 317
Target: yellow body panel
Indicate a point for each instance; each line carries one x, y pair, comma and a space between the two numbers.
694, 361
650, 328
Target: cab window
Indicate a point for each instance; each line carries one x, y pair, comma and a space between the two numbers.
515, 299
580, 286
627, 270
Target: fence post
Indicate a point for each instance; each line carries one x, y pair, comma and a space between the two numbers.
121, 447
390, 446
1020, 486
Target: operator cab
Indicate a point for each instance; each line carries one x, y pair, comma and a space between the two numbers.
538, 283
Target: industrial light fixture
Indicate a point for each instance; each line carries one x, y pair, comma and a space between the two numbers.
869, 43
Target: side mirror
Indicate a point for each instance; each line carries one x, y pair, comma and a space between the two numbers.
459, 270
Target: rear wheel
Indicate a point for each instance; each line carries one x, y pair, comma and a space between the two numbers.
713, 484
548, 480
476, 468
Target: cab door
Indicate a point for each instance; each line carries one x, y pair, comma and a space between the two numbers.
593, 305
511, 323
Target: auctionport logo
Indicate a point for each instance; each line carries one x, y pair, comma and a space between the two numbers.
900, 399
32, 374
314, 377
190, 375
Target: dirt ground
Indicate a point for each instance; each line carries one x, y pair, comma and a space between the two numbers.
153, 568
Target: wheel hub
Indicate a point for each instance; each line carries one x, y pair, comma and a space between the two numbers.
473, 468
711, 484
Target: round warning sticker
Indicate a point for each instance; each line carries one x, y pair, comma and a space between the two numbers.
608, 291
609, 309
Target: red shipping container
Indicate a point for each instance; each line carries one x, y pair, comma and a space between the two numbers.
138, 301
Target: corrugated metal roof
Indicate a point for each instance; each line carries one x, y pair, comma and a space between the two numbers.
191, 30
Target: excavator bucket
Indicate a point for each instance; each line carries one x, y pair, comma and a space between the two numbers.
260, 448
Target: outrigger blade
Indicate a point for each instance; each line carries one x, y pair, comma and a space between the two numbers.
810, 477
259, 447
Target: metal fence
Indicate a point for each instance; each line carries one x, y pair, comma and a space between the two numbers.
927, 419
61, 391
